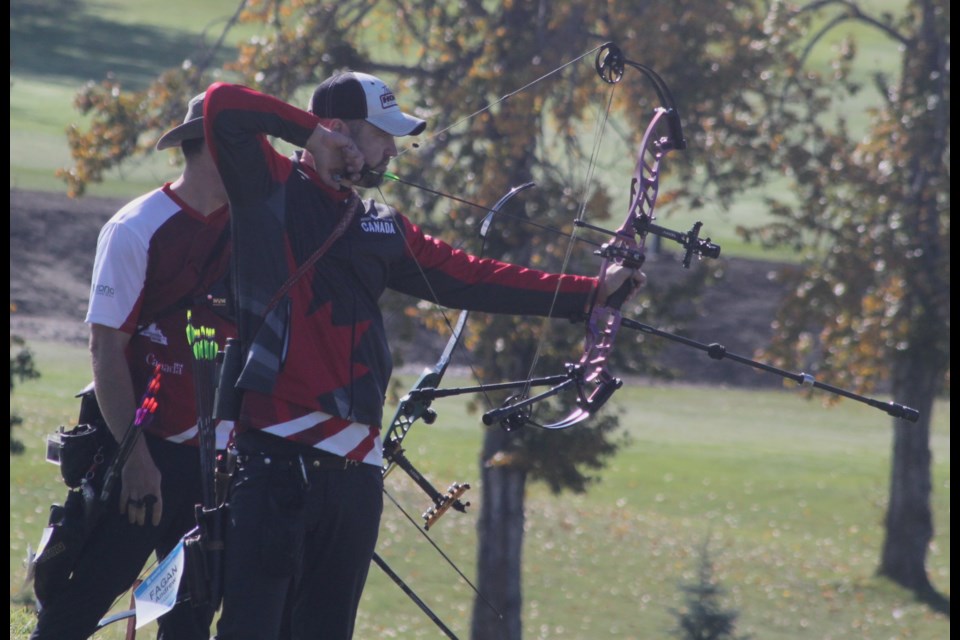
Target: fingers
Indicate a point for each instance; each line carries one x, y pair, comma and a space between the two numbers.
634, 277
136, 512
140, 485
620, 285
337, 159
154, 505
137, 509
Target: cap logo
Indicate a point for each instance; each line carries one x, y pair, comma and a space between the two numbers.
387, 101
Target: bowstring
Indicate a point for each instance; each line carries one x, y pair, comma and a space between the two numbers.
504, 97
598, 135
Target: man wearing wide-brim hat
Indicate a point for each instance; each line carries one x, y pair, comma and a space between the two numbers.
162, 254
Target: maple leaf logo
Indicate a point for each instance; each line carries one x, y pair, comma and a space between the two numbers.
317, 334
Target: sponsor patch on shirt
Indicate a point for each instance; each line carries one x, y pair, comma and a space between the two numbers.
154, 333
172, 368
104, 290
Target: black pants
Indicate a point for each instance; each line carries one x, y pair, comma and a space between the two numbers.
118, 551
298, 548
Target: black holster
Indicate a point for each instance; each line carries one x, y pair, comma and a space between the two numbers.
84, 453
68, 535
85, 450
205, 557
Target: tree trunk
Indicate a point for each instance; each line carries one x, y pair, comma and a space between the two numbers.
919, 370
499, 545
909, 520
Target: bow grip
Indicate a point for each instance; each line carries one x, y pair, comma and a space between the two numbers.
631, 258
616, 299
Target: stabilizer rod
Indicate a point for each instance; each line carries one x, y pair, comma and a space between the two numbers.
719, 352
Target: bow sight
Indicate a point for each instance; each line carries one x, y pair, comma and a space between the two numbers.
643, 225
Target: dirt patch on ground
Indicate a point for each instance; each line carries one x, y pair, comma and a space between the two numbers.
52, 243
53, 239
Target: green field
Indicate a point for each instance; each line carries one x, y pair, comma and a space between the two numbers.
790, 494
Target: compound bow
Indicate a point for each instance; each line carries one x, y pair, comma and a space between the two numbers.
590, 376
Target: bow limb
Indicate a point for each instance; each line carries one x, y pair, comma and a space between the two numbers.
412, 406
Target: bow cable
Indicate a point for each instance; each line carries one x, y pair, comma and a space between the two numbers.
484, 228
599, 130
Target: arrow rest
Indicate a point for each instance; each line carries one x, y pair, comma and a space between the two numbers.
628, 256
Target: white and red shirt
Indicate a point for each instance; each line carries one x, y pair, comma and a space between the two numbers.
155, 259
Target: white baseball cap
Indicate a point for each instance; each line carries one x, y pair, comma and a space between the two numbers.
354, 96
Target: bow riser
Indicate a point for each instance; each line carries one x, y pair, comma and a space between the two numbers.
625, 250
645, 185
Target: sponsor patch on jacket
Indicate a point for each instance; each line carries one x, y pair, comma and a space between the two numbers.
173, 368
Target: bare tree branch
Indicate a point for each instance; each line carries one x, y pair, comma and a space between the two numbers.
212, 51
854, 12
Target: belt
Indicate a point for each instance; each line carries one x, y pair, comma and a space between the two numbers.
300, 463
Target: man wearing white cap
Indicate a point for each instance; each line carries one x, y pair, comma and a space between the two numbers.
312, 261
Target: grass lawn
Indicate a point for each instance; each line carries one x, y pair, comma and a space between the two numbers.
789, 494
